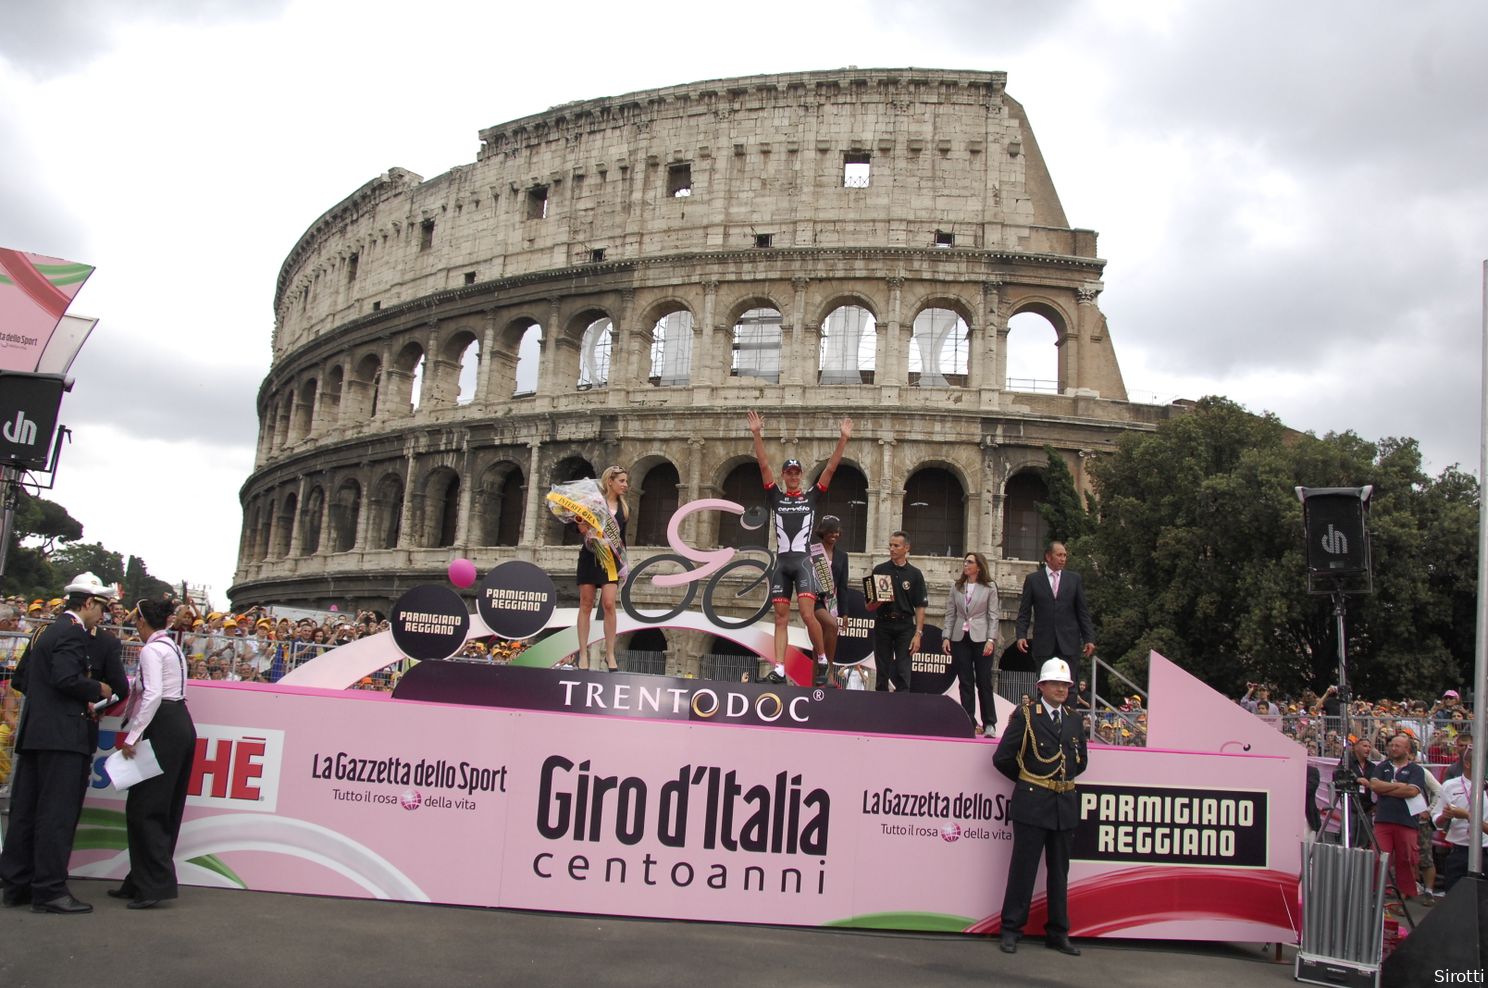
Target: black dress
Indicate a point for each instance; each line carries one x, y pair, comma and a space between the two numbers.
591, 573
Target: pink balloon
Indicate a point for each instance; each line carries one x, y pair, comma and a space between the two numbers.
462, 572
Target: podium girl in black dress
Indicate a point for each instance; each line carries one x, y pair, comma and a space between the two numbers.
153, 812
592, 578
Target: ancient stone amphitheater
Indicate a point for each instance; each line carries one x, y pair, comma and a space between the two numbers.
616, 281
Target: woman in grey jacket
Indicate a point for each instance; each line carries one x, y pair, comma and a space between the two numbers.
970, 637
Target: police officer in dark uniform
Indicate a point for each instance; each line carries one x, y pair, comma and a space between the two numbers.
52, 745
1042, 751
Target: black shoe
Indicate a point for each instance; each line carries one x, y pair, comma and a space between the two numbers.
64, 904
14, 896
119, 893
1008, 943
774, 677
1063, 945
144, 904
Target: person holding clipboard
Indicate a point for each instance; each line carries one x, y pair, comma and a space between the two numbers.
153, 812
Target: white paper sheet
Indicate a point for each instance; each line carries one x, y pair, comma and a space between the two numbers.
125, 772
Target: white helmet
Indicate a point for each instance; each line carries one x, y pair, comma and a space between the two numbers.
87, 583
1056, 671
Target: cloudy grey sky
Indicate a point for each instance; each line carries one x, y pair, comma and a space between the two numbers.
1292, 198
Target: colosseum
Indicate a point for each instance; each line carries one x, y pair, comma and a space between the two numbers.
617, 280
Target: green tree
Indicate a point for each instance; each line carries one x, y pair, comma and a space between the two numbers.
138, 583
1198, 554
1062, 511
88, 557
28, 571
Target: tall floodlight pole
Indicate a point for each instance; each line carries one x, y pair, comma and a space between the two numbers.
1480, 652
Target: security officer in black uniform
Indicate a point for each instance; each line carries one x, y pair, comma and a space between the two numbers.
1042, 751
53, 754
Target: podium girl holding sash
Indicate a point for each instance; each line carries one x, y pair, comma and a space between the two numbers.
153, 812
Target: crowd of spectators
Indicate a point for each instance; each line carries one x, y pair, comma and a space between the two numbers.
1316, 722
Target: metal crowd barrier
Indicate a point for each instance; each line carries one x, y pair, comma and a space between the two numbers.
1343, 911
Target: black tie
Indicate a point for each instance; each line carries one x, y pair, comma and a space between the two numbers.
1055, 712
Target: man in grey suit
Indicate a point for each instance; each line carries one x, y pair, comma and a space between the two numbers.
1055, 600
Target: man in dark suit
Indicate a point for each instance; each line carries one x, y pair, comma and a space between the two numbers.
1055, 599
53, 755
1042, 751
105, 665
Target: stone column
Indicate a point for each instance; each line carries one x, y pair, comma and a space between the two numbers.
364, 510
411, 494
296, 529
989, 352
691, 527
798, 362
547, 374
710, 348
894, 367
484, 384
467, 491
626, 358
532, 529
991, 513
326, 534
885, 516
1085, 317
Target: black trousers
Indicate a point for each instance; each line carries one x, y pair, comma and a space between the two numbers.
46, 797
1456, 867
152, 815
1029, 844
891, 653
974, 676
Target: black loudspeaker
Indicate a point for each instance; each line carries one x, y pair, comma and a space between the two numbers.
1448, 940
29, 404
1337, 538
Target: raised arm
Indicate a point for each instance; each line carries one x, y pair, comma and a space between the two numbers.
757, 430
825, 479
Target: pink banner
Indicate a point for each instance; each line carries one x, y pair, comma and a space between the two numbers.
35, 292
355, 794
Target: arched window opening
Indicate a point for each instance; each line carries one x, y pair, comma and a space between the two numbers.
346, 511
849, 338
847, 498
1032, 354
745, 485
310, 525
416, 388
935, 513
529, 354
469, 373
304, 412
330, 398
594, 354
1024, 530
658, 502
284, 526
939, 350
442, 506
757, 345
265, 532
387, 515
671, 349
502, 504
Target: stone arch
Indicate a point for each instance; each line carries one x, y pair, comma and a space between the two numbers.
346, 514
310, 521
1033, 364
364, 391
569, 468
935, 510
451, 378
1024, 530
669, 338
441, 508
330, 395
516, 357
656, 496
844, 299
282, 420
740, 481
303, 421
847, 345
596, 347
387, 511
757, 342
502, 494
847, 498
265, 530
405, 379
284, 525
939, 347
